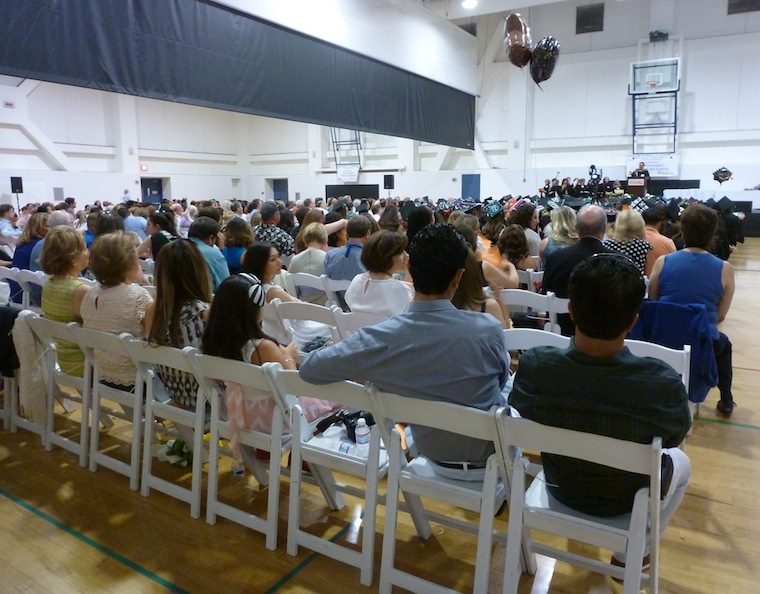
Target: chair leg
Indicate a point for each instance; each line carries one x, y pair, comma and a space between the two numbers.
391, 517
485, 530
273, 498
147, 443
515, 530
213, 463
294, 505
368, 524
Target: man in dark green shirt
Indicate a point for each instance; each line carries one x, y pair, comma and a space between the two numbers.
597, 386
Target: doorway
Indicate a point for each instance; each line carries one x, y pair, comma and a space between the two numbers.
152, 190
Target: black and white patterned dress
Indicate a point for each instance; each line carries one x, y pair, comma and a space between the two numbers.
636, 249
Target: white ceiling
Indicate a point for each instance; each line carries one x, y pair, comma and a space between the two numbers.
452, 9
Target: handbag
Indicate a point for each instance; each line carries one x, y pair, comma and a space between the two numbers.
349, 418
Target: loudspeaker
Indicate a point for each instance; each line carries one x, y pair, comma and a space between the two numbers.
387, 182
17, 186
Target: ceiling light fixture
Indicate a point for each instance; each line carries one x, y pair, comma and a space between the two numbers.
469, 3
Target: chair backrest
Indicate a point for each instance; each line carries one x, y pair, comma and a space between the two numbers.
210, 371
445, 416
522, 298
272, 324
27, 279
531, 278
304, 279
48, 331
89, 339
294, 311
147, 266
350, 322
8, 273
678, 359
145, 356
332, 287
527, 338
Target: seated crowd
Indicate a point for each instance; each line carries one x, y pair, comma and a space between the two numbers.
425, 268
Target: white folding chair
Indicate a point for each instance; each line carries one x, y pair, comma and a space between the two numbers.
147, 266
47, 333
305, 321
88, 341
532, 279
209, 372
558, 305
271, 323
678, 359
418, 478
522, 339
316, 294
349, 322
11, 274
29, 279
189, 423
522, 300
318, 451
536, 509
331, 289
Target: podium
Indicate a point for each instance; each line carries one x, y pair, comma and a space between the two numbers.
637, 186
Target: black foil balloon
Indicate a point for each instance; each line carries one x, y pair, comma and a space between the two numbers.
721, 175
544, 59
517, 40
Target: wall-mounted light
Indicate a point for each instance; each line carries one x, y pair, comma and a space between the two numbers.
469, 3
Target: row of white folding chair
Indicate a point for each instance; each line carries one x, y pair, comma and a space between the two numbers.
26, 279
518, 300
291, 281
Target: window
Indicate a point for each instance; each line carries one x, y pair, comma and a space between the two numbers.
740, 6
589, 18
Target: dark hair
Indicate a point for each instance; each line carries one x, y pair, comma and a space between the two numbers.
390, 219
419, 217
469, 293
698, 225
513, 245
238, 233
181, 276
333, 239
522, 214
312, 215
166, 223
493, 227
467, 232
203, 227
606, 292
210, 212
107, 223
358, 226
256, 258
436, 253
287, 222
233, 321
380, 249
301, 213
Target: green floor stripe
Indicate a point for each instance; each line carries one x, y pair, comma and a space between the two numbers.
731, 423
293, 572
87, 540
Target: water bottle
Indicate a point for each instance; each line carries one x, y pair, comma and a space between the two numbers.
362, 438
345, 447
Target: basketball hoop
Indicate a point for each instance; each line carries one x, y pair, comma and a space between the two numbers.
652, 86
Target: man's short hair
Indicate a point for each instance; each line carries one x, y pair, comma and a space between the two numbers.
60, 217
591, 221
203, 227
211, 212
606, 292
698, 225
436, 253
5, 209
358, 227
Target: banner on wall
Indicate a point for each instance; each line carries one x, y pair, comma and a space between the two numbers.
658, 164
348, 173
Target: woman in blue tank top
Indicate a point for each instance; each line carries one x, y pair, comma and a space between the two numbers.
693, 275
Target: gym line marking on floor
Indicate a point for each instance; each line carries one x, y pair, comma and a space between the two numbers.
96, 545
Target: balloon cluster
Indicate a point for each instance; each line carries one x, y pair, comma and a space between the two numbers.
517, 44
721, 175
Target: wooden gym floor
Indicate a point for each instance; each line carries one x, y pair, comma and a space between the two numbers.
65, 529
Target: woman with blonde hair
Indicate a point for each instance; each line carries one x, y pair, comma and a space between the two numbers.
117, 304
629, 237
315, 215
64, 256
563, 234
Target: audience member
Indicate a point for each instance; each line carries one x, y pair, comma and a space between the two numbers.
525, 214
64, 257
591, 224
419, 217
161, 231
133, 222
513, 247
597, 386
661, 245
469, 294
269, 231
237, 237
9, 232
34, 231
55, 219
179, 314
428, 352
345, 263
628, 237
315, 215
311, 260
390, 220
377, 291
693, 275
204, 233
117, 304
563, 232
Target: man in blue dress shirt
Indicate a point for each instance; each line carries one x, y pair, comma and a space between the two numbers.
433, 351
204, 232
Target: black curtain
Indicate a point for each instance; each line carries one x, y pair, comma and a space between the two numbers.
197, 52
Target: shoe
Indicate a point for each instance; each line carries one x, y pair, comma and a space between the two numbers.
726, 407
645, 563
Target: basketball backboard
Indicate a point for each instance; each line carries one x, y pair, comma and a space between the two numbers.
655, 76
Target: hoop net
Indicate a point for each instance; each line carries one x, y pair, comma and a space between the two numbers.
652, 86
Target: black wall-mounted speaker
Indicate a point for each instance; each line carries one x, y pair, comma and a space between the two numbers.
17, 186
388, 182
